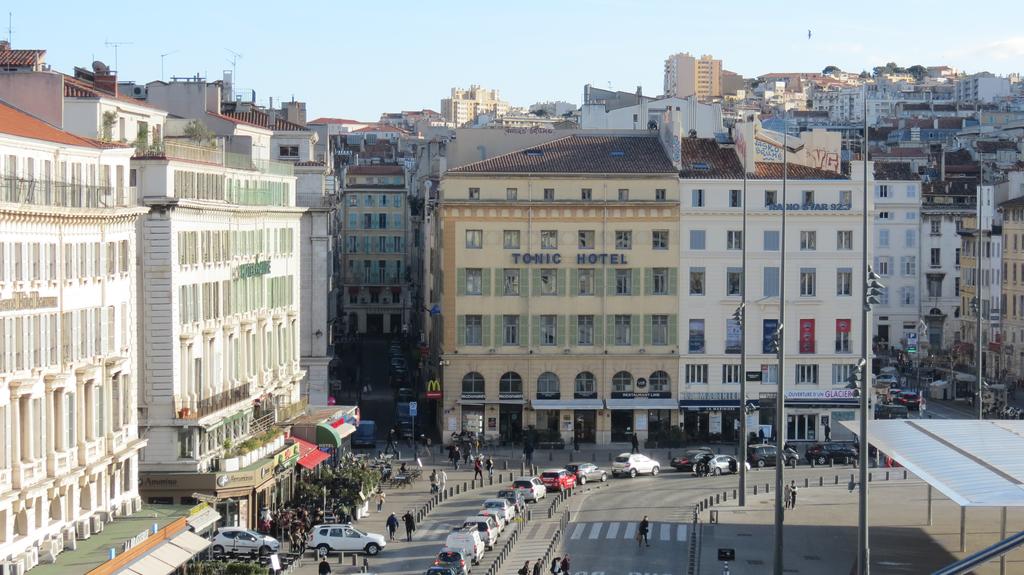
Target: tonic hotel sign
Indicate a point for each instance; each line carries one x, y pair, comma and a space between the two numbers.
581, 259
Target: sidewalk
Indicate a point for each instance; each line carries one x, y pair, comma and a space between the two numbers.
821, 533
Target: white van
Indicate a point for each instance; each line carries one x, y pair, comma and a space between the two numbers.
487, 527
469, 540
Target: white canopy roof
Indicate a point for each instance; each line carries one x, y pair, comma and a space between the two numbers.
974, 463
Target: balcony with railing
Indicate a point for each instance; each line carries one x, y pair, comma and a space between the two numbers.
54, 194
245, 162
188, 151
374, 279
185, 409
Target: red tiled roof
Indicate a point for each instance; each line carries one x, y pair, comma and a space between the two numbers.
894, 171
17, 123
773, 171
335, 121
21, 58
376, 171
379, 128
261, 119
992, 146
581, 154
79, 88
951, 123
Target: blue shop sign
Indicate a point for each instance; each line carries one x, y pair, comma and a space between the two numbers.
549, 258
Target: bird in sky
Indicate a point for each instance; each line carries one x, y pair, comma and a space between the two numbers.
808, 34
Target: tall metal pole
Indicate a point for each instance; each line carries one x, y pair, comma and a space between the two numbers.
742, 455
979, 286
866, 388
780, 395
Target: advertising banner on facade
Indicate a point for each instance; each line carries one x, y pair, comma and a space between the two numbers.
768, 333
807, 336
733, 336
696, 336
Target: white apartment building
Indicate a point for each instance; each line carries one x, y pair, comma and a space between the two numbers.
982, 88
898, 255
69, 439
704, 119
823, 303
944, 205
219, 301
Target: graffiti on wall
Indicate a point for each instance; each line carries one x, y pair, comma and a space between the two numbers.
824, 159
768, 152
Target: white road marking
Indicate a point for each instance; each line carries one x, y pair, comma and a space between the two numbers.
666, 532
681, 532
595, 530
577, 531
630, 531
613, 530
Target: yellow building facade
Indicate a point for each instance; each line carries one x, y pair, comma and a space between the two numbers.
560, 292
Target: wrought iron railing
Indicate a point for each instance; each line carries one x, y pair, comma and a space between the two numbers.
50, 193
195, 410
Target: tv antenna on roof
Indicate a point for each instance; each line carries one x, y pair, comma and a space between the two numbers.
162, 56
115, 45
10, 28
235, 57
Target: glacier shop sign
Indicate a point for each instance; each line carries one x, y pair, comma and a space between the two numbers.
581, 259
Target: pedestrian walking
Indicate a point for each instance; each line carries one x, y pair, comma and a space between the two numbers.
444, 479
490, 468
410, 525
556, 565
391, 445
392, 525
466, 451
528, 453
576, 442
478, 469
525, 569
828, 432
324, 568
787, 496
380, 500
433, 482
760, 435
565, 564
456, 455
537, 567
636, 444
792, 494
642, 532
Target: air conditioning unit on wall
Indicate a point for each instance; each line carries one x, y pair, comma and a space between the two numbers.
82, 530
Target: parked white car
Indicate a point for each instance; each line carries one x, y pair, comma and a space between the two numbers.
498, 515
468, 539
344, 537
487, 527
633, 464
532, 487
243, 541
502, 506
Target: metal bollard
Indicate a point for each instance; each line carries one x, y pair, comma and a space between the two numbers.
490, 479
353, 559
904, 474
766, 488
755, 489
366, 564
837, 480
551, 455
522, 469
831, 462
717, 499
735, 493
887, 476
851, 478
465, 486
806, 482
870, 476
821, 481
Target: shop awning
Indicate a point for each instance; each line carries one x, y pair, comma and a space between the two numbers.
567, 404
190, 542
714, 404
309, 455
150, 565
642, 403
328, 434
203, 520
171, 554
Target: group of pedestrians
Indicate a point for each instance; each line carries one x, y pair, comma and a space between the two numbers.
789, 495
438, 480
558, 565
392, 525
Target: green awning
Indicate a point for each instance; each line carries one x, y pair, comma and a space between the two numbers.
327, 435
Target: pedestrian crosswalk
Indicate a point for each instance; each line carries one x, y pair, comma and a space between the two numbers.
626, 530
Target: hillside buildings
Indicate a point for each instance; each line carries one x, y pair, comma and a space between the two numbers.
463, 106
687, 76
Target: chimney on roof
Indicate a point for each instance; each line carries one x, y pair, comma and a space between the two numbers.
5, 46
104, 78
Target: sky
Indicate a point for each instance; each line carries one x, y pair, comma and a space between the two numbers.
358, 59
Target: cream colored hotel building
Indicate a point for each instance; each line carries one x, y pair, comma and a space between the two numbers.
560, 291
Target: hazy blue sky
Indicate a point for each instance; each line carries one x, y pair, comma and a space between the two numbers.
358, 59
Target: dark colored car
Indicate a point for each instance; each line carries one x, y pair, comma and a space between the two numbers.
822, 453
438, 570
891, 411
451, 559
910, 400
685, 461
765, 455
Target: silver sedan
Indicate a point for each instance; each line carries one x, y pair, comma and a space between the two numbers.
586, 471
721, 464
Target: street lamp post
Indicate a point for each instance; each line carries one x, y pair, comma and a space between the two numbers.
871, 291
979, 248
780, 395
742, 313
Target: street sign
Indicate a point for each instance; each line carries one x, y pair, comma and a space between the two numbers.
753, 376
412, 409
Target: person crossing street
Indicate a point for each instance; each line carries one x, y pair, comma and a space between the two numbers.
642, 532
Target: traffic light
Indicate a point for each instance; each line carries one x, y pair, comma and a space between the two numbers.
773, 343
872, 290
856, 377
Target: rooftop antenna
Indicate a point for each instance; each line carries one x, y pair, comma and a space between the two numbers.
235, 57
10, 28
115, 45
162, 56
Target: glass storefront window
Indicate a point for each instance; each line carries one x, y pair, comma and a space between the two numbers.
802, 427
